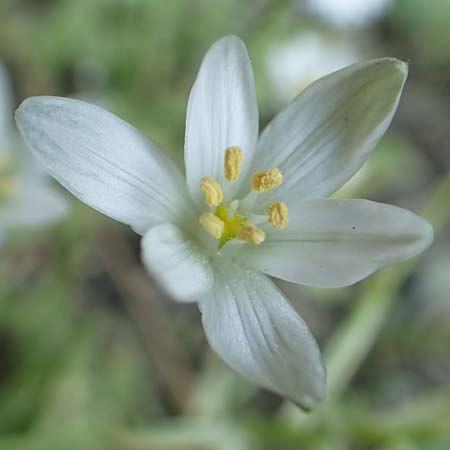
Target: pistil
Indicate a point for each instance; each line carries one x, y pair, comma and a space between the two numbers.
224, 222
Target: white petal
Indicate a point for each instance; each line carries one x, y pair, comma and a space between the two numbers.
250, 324
334, 243
222, 112
104, 161
35, 204
176, 263
324, 136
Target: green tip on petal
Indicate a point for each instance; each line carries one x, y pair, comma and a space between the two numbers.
402, 65
406, 61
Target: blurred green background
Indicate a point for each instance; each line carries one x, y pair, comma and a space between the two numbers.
93, 356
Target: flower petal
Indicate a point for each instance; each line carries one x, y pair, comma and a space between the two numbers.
36, 204
222, 112
104, 161
324, 136
176, 263
250, 324
334, 243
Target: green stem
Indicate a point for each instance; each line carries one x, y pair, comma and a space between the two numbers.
185, 434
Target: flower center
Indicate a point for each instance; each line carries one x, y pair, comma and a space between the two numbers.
232, 224
224, 222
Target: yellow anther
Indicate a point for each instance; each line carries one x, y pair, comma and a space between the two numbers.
212, 224
212, 190
251, 234
263, 181
232, 163
278, 214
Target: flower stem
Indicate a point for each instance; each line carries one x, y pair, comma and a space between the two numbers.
183, 434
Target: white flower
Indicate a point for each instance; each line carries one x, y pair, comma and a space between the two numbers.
218, 254
349, 13
295, 64
26, 197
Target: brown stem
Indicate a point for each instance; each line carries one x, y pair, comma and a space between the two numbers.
146, 307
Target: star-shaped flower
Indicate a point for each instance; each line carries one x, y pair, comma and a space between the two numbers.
26, 197
248, 207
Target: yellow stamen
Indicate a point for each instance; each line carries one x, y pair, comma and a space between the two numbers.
251, 234
212, 224
278, 214
263, 181
232, 163
212, 190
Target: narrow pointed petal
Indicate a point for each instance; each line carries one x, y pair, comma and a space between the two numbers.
222, 112
325, 135
36, 204
254, 329
176, 263
103, 161
335, 243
